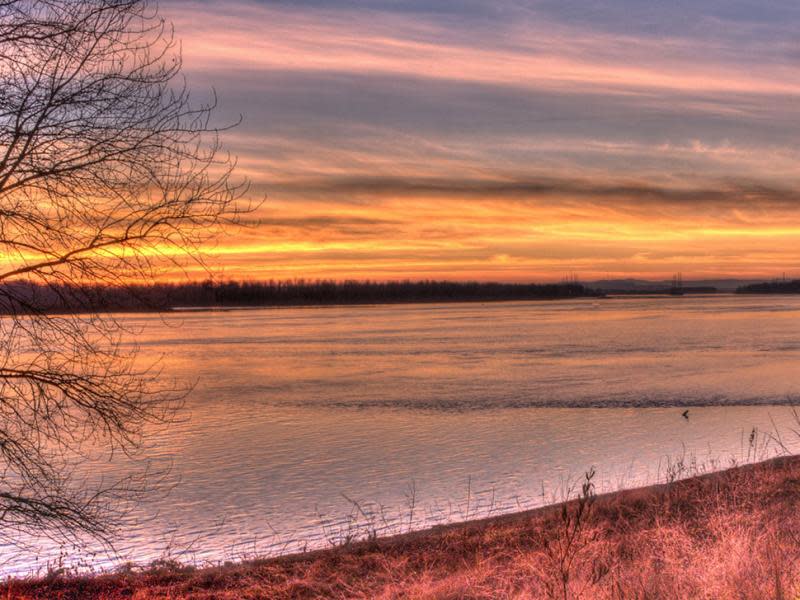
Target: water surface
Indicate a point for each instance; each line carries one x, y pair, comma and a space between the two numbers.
460, 410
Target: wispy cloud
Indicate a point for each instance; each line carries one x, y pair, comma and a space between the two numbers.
520, 139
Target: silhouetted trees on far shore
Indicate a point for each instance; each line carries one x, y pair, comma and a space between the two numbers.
772, 287
23, 297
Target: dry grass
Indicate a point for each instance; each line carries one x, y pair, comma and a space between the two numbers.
734, 534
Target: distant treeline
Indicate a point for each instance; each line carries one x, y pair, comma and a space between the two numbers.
660, 291
27, 297
771, 287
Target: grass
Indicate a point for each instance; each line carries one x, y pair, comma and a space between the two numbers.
732, 534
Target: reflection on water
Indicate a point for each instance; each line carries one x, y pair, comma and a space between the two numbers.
467, 409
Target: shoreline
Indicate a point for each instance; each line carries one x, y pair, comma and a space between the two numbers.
665, 531
183, 310
222, 308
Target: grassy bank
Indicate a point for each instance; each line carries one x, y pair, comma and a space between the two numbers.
733, 534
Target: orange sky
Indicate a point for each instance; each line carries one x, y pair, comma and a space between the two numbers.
505, 140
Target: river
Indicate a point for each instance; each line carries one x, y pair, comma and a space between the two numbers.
310, 425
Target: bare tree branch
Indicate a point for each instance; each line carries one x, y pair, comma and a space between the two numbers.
107, 170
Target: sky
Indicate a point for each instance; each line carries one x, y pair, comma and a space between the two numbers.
506, 140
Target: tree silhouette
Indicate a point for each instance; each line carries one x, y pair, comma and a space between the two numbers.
107, 170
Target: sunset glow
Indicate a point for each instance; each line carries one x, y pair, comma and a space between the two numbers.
399, 299
503, 141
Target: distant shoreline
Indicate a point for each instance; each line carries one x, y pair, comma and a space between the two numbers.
220, 309
612, 295
23, 297
772, 288
366, 304
26, 298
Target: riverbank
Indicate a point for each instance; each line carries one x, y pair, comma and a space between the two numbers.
732, 534
22, 297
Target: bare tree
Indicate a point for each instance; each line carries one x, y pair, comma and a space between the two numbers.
107, 172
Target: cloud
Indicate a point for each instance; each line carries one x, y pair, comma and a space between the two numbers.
507, 138
535, 51
730, 194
